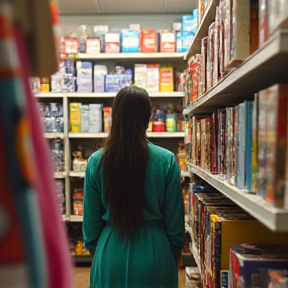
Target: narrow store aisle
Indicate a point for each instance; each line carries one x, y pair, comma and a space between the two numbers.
81, 278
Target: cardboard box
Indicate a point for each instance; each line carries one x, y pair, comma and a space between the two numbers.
179, 41
249, 264
149, 41
152, 77
263, 22
93, 45
95, 118
84, 76
167, 41
130, 41
166, 79
75, 117
99, 78
187, 38
140, 75
112, 42
84, 118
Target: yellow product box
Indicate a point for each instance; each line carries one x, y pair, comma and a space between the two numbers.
166, 79
75, 117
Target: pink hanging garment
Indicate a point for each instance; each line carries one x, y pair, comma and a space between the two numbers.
59, 260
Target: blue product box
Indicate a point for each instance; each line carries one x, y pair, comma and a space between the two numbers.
187, 22
130, 41
112, 83
187, 38
84, 76
179, 41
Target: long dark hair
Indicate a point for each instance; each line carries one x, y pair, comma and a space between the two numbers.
125, 157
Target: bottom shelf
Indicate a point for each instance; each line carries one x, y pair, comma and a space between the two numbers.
82, 259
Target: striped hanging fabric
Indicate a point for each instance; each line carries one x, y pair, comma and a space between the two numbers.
33, 246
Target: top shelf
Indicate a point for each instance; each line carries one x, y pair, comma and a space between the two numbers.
207, 20
160, 57
264, 68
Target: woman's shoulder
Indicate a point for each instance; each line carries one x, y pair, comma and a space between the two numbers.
96, 156
158, 151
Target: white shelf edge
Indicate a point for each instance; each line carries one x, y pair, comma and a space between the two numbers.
275, 45
274, 218
185, 173
59, 175
165, 134
54, 135
148, 56
149, 135
74, 218
77, 174
50, 95
87, 135
113, 95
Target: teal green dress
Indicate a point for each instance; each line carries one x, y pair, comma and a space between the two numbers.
146, 260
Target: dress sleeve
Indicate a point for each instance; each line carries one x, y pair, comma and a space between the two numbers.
93, 224
173, 209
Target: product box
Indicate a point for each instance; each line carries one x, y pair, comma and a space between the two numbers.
149, 41
130, 41
95, 118
240, 33
107, 115
263, 22
112, 42
276, 141
254, 26
203, 65
249, 264
234, 156
75, 117
152, 77
84, 118
177, 26
216, 36
278, 15
140, 75
221, 39
93, 45
255, 117
214, 143
189, 23
261, 154
99, 32
84, 76
114, 82
134, 27
167, 41
278, 278
230, 118
187, 38
179, 41
226, 13
210, 56
99, 78
166, 79
222, 144
71, 45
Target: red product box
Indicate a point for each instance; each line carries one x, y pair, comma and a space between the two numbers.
168, 41
148, 41
112, 43
71, 45
93, 46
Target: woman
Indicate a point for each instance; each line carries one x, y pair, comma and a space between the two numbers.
133, 204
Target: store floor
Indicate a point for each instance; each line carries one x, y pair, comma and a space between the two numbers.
81, 278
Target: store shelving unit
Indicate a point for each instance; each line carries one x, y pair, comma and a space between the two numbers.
202, 31
67, 97
261, 70
274, 218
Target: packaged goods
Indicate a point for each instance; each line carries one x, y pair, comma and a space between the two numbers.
255, 116
140, 75
179, 41
261, 155
71, 45
134, 27
227, 12
95, 118
84, 76
215, 76
149, 41
214, 143
152, 77
99, 32
130, 41
56, 147
112, 42
203, 65
84, 118
107, 115
82, 36
201, 10
221, 143
93, 45
278, 15
250, 264
278, 278
230, 118
276, 141
99, 78
167, 41
186, 38
254, 26
171, 125
210, 56
75, 117
263, 22
187, 22
166, 79
221, 39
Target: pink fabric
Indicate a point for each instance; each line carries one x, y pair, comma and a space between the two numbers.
57, 252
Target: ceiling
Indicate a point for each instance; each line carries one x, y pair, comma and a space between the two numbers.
90, 7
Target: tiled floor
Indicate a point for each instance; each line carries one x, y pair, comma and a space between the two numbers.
81, 278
